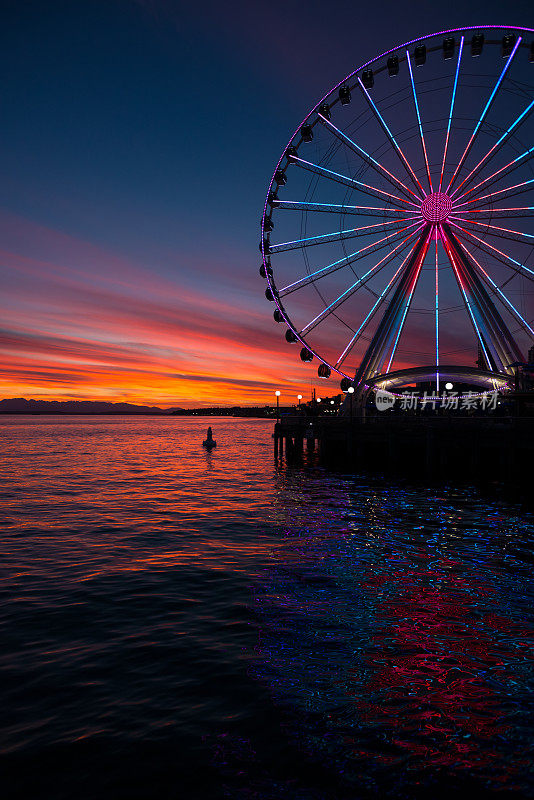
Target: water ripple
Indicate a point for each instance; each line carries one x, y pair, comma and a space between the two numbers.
173, 618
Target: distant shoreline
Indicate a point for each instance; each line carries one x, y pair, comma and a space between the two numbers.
84, 414
23, 407
129, 414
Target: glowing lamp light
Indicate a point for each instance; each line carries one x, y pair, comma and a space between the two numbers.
299, 397
449, 386
318, 399
331, 402
350, 390
277, 393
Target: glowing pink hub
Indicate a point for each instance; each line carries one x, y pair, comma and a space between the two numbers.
436, 207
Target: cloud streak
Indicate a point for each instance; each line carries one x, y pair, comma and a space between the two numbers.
78, 319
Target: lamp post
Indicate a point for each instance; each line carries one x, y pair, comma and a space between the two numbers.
277, 393
350, 390
299, 398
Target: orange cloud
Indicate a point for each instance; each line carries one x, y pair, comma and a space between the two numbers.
89, 324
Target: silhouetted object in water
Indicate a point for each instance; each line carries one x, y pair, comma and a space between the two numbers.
209, 442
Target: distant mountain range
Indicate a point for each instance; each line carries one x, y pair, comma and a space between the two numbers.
19, 405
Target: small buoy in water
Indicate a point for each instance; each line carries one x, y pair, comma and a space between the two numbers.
209, 442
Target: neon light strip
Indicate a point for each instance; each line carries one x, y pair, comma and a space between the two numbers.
483, 115
489, 227
491, 211
351, 182
496, 145
460, 284
344, 296
437, 310
335, 265
480, 200
450, 113
510, 167
500, 342
324, 238
485, 244
387, 130
419, 120
362, 153
496, 288
371, 312
336, 208
422, 257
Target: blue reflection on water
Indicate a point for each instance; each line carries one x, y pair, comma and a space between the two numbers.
396, 634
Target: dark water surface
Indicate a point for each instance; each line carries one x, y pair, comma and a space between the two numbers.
176, 623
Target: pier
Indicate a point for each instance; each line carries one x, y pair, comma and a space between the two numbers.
475, 450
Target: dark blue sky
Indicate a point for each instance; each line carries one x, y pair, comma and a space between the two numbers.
136, 144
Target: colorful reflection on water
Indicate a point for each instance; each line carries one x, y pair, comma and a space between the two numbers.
399, 623
176, 618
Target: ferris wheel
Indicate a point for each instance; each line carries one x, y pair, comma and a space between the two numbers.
397, 240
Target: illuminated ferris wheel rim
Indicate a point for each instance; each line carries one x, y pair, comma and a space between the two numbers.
435, 209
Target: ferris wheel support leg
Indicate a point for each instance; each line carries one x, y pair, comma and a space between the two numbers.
393, 316
496, 335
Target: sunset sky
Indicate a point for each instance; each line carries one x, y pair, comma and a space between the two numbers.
136, 145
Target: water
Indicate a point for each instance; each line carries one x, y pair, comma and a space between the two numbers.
177, 623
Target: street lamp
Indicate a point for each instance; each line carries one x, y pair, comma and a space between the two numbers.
350, 390
299, 398
277, 393
449, 386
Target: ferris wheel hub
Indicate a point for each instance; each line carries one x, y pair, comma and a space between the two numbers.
436, 207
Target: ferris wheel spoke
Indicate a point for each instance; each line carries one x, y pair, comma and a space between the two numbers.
340, 208
496, 290
495, 230
404, 315
372, 312
436, 306
510, 262
525, 156
508, 191
367, 158
390, 136
421, 134
491, 153
503, 213
380, 344
447, 135
483, 115
500, 343
355, 286
345, 261
352, 183
336, 236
